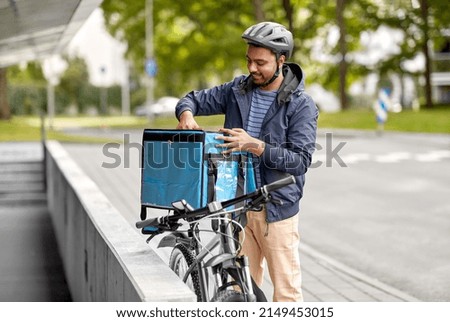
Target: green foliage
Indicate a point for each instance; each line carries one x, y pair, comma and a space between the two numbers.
196, 42
27, 99
317, 23
30, 74
26, 89
74, 88
318, 19
74, 83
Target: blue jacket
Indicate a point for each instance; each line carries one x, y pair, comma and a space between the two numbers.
289, 130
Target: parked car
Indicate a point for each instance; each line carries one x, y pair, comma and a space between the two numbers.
163, 106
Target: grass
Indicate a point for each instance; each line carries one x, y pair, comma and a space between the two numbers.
436, 120
211, 123
426, 120
29, 129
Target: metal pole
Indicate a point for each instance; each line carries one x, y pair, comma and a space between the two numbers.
50, 103
149, 51
125, 99
103, 92
125, 89
43, 142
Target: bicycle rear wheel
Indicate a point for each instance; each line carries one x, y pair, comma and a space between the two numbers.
181, 259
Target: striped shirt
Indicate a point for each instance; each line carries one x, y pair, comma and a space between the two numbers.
261, 102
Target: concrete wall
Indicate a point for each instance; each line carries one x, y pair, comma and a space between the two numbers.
105, 259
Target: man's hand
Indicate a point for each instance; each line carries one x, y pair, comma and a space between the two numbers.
239, 140
187, 121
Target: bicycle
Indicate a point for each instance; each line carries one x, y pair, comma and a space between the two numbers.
223, 275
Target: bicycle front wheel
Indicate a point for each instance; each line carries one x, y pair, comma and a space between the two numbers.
181, 259
228, 296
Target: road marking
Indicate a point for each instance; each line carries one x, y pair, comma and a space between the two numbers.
432, 156
356, 157
393, 157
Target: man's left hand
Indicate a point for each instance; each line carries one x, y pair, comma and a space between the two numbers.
237, 139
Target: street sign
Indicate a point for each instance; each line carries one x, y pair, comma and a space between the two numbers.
150, 67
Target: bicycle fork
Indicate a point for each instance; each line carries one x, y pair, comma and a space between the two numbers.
243, 261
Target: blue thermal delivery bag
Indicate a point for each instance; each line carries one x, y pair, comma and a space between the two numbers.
187, 164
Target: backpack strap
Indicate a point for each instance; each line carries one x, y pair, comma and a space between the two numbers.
212, 161
212, 177
240, 190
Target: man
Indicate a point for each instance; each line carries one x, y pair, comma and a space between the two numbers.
268, 114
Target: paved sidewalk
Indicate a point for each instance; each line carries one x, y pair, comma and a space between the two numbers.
327, 280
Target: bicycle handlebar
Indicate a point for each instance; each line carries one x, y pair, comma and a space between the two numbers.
279, 184
154, 224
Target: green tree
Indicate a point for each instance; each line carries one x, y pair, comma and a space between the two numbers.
428, 20
336, 26
424, 24
26, 88
196, 43
31, 74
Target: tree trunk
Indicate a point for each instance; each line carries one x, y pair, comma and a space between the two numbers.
259, 10
288, 8
5, 111
426, 52
340, 6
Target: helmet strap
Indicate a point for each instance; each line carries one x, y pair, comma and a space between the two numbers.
274, 77
270, 81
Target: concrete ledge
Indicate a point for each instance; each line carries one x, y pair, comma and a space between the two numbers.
105, 259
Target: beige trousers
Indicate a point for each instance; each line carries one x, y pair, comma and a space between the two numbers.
278, 243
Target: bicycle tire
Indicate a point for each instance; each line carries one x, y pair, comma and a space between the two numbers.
228, 296
181, 254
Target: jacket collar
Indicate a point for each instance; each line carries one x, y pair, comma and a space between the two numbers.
293, 81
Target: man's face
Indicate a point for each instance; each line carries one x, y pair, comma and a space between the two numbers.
261, 64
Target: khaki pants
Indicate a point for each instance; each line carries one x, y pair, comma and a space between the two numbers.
278, 243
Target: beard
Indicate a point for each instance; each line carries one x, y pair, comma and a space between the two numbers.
257, 78
261, 81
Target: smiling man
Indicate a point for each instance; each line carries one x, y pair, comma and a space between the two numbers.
268, 114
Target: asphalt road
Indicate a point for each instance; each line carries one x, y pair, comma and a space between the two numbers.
379, 204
